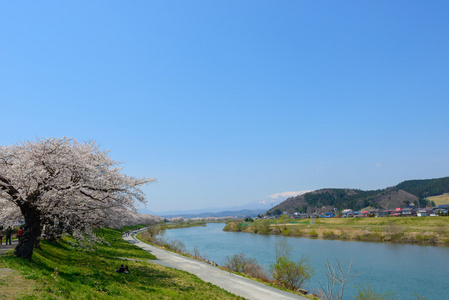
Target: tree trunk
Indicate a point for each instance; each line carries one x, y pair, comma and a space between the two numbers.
31, 232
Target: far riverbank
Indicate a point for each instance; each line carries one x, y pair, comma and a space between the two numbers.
411, 230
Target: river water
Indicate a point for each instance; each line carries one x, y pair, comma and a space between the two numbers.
404, 269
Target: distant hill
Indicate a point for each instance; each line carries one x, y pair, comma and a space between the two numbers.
240, 214
411, 192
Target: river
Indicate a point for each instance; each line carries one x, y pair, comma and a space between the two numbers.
404, 269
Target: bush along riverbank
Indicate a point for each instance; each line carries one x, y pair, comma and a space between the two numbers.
413, 230
62, 271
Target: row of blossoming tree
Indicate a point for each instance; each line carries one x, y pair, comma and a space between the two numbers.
60, 185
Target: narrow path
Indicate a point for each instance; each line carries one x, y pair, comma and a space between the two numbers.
4, 248
235, 284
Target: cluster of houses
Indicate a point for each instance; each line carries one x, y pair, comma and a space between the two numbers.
440, 210
399, 212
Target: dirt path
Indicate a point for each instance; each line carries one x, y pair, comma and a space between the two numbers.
235, 284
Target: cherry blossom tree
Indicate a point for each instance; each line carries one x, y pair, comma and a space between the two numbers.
62, 185
9, 212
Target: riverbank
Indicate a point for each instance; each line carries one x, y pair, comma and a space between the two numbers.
58, 271
412, 230
182, 224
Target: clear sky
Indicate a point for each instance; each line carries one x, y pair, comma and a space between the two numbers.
227, 102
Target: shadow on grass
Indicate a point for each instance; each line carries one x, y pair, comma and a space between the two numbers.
64, 272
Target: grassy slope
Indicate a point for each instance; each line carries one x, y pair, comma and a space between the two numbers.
91, 275
440, 200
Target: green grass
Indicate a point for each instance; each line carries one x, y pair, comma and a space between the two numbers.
60, 272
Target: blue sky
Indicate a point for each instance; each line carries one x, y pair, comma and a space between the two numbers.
227, 102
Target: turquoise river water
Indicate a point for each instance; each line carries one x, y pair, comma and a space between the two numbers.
404, 269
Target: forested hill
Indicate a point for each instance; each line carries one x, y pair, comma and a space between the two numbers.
411, 192
426, 187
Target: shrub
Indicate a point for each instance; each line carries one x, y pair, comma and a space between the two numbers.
242, 264
298, 231
393, 229
242, 226
231, 226
291, 274
287, 272
338, 275
329, 233
286, 231
367, 293
265, 227
237, 262
256, 271
313, 233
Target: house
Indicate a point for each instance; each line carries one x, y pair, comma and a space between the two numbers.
441, 209
365, 213
422, 213
383, 213
408, 212
396, 214
347, 213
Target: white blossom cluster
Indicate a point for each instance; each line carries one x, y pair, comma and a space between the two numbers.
9, 213
72, 186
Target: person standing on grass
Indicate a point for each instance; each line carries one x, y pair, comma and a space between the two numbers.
8, 233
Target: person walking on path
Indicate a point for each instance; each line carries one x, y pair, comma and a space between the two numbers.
8, 233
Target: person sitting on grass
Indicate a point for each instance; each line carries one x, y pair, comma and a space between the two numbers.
126, 269
121, 269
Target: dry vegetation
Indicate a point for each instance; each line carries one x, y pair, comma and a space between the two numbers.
440, 199
10, 279
428, 230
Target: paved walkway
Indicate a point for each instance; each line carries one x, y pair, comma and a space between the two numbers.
235, 284
4, 248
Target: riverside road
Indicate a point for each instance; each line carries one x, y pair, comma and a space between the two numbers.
235, 284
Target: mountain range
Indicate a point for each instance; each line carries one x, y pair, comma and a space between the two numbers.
250, 209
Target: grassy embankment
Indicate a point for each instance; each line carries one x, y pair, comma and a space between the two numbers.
60, 272
419, 230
